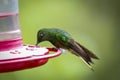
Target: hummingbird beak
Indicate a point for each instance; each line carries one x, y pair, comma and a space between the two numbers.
36, 44
38, 41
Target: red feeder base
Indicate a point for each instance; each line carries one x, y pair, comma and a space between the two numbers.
25, 58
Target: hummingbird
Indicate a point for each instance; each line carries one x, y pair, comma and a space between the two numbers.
62, 39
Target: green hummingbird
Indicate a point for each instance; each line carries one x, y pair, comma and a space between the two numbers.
62, 39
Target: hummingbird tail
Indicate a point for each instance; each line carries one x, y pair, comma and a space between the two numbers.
82, 52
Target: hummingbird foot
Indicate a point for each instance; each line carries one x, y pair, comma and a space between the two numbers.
63, 50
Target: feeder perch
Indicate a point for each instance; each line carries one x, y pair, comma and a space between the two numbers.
14, 55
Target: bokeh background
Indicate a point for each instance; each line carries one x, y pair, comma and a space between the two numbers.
93, 23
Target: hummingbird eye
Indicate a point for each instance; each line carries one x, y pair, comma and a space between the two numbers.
41, 35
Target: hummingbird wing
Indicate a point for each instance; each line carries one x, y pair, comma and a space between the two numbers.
92, 55
66, 42
81, 51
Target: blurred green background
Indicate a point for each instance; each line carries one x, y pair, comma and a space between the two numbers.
93, 23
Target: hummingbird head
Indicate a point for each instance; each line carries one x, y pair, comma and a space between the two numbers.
42, 35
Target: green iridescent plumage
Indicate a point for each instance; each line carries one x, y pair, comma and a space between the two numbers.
62, 39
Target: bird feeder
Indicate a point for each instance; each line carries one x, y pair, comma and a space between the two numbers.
14, 55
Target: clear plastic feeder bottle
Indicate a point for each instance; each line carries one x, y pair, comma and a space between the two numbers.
9, 20
14, 55
9, 24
